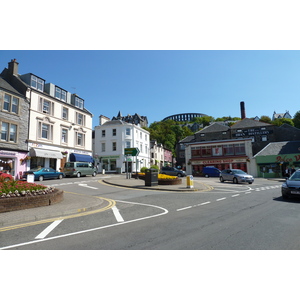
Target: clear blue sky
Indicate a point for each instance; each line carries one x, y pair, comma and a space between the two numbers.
157, 84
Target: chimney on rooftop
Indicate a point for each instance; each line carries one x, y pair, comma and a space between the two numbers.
13, 67
243, 112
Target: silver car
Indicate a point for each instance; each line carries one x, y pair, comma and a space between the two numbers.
292, 186
236, 176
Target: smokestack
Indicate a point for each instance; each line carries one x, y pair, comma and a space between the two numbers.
243, 112
13, 67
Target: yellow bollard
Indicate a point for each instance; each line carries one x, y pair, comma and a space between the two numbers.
189, 182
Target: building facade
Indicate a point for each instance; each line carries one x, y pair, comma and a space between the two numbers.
223, 154
14, 118
110, 140
59, 124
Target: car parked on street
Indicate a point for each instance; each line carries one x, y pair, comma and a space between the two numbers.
172, 171
292, 186
44, 173
211, 172
236, 176
5, 176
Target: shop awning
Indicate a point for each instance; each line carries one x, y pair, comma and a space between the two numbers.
45, 153
81, 157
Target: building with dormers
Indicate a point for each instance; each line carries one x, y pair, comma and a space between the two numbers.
59, 123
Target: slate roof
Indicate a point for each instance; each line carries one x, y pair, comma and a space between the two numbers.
246, 123
214, 127
6, 86
280, 148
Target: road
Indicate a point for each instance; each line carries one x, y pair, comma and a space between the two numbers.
228, 217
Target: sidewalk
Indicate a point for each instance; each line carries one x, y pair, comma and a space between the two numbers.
76, 204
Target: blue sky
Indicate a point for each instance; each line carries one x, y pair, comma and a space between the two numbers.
160, 83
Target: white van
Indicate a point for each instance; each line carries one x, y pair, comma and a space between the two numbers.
78, 169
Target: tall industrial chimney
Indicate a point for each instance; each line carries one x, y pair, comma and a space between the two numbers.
243, 112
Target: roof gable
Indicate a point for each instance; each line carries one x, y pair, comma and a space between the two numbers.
245, 123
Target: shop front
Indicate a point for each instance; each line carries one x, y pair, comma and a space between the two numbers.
221, 164
110, 163
278, 158
13, 162
41, 157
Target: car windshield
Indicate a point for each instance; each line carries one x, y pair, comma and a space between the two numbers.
35, 169
295, 176
238, 172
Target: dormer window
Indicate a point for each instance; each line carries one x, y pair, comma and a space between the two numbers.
60, 94
78, 102
37, 83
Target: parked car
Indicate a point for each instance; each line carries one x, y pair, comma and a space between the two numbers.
44, 173
6, 176
292, 186
236, 176
78, 169
211, 172
172, 171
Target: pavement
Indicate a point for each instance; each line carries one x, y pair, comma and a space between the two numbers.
74, 204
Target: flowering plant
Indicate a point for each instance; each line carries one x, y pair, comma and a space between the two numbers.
64, 152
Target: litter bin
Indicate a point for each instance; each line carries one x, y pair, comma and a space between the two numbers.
151, 177
189, 182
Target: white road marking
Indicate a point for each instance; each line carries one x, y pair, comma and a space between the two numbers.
248, 193
117, 214
165, 211
220, 199
46, 231
235, 195
184, 208
204, 203
85, 185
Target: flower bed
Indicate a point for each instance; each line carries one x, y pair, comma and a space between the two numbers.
162, 179
16, 195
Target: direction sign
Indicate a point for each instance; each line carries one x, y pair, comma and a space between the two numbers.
131, 151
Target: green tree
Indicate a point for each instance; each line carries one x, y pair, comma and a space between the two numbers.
265, 119
279, 122
296, 119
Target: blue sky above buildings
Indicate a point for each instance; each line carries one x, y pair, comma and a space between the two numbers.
159, 83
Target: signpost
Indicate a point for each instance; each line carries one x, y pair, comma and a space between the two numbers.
131, 152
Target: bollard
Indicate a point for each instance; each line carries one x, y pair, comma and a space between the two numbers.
189, 182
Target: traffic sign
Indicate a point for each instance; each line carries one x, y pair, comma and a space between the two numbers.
131, 151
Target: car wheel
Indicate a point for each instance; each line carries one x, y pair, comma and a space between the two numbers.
235, 180
94, 174
179, 175
206, 175
41, 178
78, 175
60, 176
250, 182
285, 196
221, 179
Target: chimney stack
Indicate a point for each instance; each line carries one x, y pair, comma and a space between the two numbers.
13, 66
243, 112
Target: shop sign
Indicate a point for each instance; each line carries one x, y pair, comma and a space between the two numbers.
7, 153
287, 158
218, 161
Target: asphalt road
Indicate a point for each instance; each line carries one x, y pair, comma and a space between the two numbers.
229, 217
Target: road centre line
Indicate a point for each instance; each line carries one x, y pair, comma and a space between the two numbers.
203, 203
46, 231
117, 214
220, 199
184, 208
235, 195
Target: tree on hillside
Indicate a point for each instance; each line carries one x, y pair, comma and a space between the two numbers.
206, 120
279, 122
223, 119
265, 119
296, 119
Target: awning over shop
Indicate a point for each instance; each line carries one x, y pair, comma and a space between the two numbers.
81, 157
45, 153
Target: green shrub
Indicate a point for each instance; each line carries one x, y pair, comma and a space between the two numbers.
155, 167
143, 169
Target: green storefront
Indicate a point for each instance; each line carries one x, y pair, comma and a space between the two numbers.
273, 166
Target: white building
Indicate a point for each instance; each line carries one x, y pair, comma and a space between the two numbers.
157, 154
60, 128
110, 140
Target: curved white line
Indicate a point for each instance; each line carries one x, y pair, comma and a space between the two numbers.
165, 211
